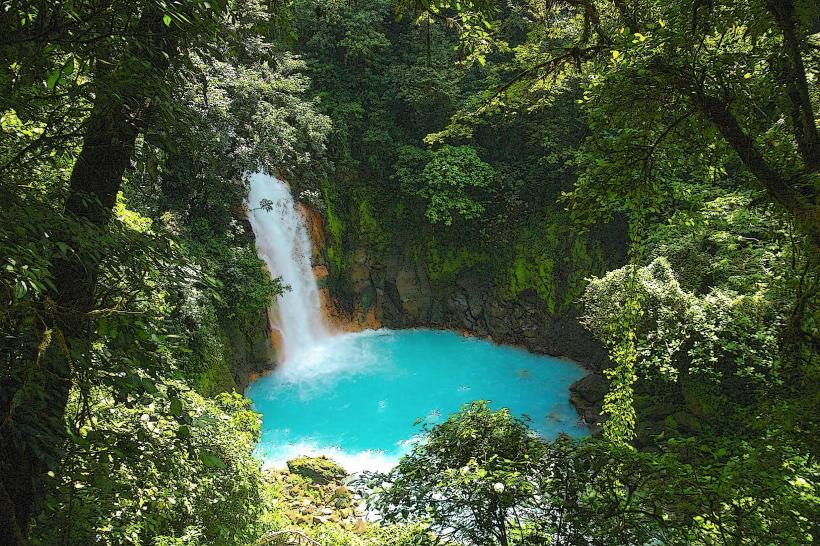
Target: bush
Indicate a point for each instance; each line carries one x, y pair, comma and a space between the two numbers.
175, 469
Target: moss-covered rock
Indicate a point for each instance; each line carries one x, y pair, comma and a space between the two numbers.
320, 470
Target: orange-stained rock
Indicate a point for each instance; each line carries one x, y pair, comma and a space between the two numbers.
316, 229
275, 340
339, 321
320, 272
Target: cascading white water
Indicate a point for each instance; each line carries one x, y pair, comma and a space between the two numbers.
283, 243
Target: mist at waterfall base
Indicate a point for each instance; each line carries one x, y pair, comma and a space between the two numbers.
359, 398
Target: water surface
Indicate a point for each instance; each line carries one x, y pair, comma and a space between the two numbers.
355, 397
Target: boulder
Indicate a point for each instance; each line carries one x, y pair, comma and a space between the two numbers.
587, 395
320, 470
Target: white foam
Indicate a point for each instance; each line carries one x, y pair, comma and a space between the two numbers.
352, 462
317, 368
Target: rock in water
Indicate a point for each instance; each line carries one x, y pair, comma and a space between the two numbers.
320, 470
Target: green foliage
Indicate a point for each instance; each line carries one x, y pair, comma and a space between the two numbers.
468, 476
486, 466
171, 288
374, 535
172, 468
722, 332
695, 121
410, 163
444, 264
454, 185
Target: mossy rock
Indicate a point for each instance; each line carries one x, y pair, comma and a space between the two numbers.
320, 470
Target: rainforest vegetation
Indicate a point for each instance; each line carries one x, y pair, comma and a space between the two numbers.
649, 169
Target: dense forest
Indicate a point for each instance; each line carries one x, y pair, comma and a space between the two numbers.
633, 184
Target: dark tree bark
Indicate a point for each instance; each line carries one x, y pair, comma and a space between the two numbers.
33, 427
797, 87
783, 190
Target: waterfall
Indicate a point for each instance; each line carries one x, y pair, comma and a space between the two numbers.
283, 243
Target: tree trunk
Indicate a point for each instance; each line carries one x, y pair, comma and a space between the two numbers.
797, 88
805, 210
33, 428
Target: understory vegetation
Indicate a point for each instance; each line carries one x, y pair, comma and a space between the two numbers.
649, 167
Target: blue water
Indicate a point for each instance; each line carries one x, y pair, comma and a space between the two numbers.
356, 397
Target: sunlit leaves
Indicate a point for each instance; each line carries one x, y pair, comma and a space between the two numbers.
138, 473
454, 185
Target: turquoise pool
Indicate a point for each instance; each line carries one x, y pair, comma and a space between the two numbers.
359, 398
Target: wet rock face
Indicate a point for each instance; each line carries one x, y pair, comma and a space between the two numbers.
414, 300
390, 289
251, 353
402, 297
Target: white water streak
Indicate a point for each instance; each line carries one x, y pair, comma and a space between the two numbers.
283, 243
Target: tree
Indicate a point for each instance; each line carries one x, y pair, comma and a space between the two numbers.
455, 184
178, 470
483, 478
470, 476
654, 73
191, 94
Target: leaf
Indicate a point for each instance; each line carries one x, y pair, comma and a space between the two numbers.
68, 68
211, 460
167, 20
149, 385
20, 290
176, 407
53, 76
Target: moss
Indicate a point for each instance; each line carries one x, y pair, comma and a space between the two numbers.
585, 258
367, 221
320, 470
531, 272
336, 258
336, 229
549, 258
216, 378
370, 229
445, 264
531, 264
335, 225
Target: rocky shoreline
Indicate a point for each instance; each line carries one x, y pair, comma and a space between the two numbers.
313, 492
